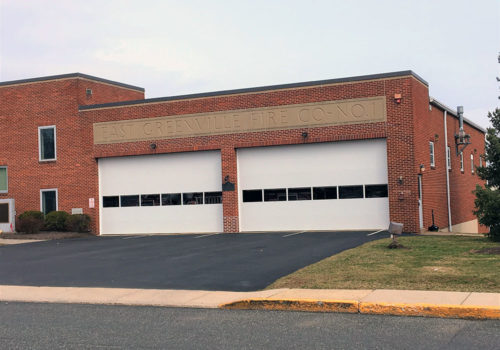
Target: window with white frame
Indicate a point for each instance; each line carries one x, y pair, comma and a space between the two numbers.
461, 161
431, 149
448, 157
47, 142
48, 200
472, 163
3, 179
480, 161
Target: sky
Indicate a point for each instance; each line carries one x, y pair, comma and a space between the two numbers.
182, 47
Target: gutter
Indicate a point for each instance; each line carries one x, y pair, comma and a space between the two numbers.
447, 109
448, 159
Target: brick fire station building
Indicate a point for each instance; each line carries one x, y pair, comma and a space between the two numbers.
340, 154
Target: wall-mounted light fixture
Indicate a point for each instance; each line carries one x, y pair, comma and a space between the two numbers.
400, 180
462, 139
436, 137
305, 135
152, 146
397, 98
422, 168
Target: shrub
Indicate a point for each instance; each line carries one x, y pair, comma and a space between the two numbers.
78, 223
56, 221
30, 221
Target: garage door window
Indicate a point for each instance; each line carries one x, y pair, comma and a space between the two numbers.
252, 196
150, 200
171, 199
192, 198
375, 191
129, 201
110, 202
213, 197
349, 192
275, 195
299, 194
329, 192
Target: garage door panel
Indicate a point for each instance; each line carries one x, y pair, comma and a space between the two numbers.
161, 174
348, 214
349, 163
338, 163
162, 219
168, 173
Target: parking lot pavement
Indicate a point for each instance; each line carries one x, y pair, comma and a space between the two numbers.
232, 262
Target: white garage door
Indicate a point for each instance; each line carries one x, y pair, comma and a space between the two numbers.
164, 193
324, 186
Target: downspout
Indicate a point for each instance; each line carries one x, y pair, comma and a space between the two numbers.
447, 170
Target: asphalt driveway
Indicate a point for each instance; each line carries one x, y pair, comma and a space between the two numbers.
233, 262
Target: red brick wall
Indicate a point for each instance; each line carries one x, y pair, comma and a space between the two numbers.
400, 154
398, 129
463, 183
25, 107
409, 127
429, 126
104, 93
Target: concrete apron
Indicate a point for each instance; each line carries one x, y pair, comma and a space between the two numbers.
379, 301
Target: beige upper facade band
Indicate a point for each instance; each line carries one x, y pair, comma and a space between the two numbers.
329, 113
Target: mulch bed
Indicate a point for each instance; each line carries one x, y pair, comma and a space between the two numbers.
45, 235
492, 251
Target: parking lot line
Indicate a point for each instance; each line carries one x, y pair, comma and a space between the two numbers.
371, 234
134, 237
293, 234
208, 235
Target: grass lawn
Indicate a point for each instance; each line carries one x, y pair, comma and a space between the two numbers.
430, 263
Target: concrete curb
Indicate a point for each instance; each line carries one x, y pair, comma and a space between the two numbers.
376, 308
469, 305
348, 306
430, 310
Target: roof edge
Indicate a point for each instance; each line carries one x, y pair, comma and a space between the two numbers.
259, 89
67, 76
444, 107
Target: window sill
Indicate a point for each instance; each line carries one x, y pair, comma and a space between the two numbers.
47, 161
433, 167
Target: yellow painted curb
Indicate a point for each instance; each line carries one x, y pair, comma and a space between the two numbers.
430, 310
377, 308
348, 306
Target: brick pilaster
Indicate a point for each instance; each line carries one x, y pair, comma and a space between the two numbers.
230, 198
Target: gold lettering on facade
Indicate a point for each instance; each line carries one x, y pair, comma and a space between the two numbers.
329, 113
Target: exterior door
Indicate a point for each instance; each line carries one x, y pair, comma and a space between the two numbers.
420, 202
7, 215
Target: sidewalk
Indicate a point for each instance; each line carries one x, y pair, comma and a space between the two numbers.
379, 301
7, 241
